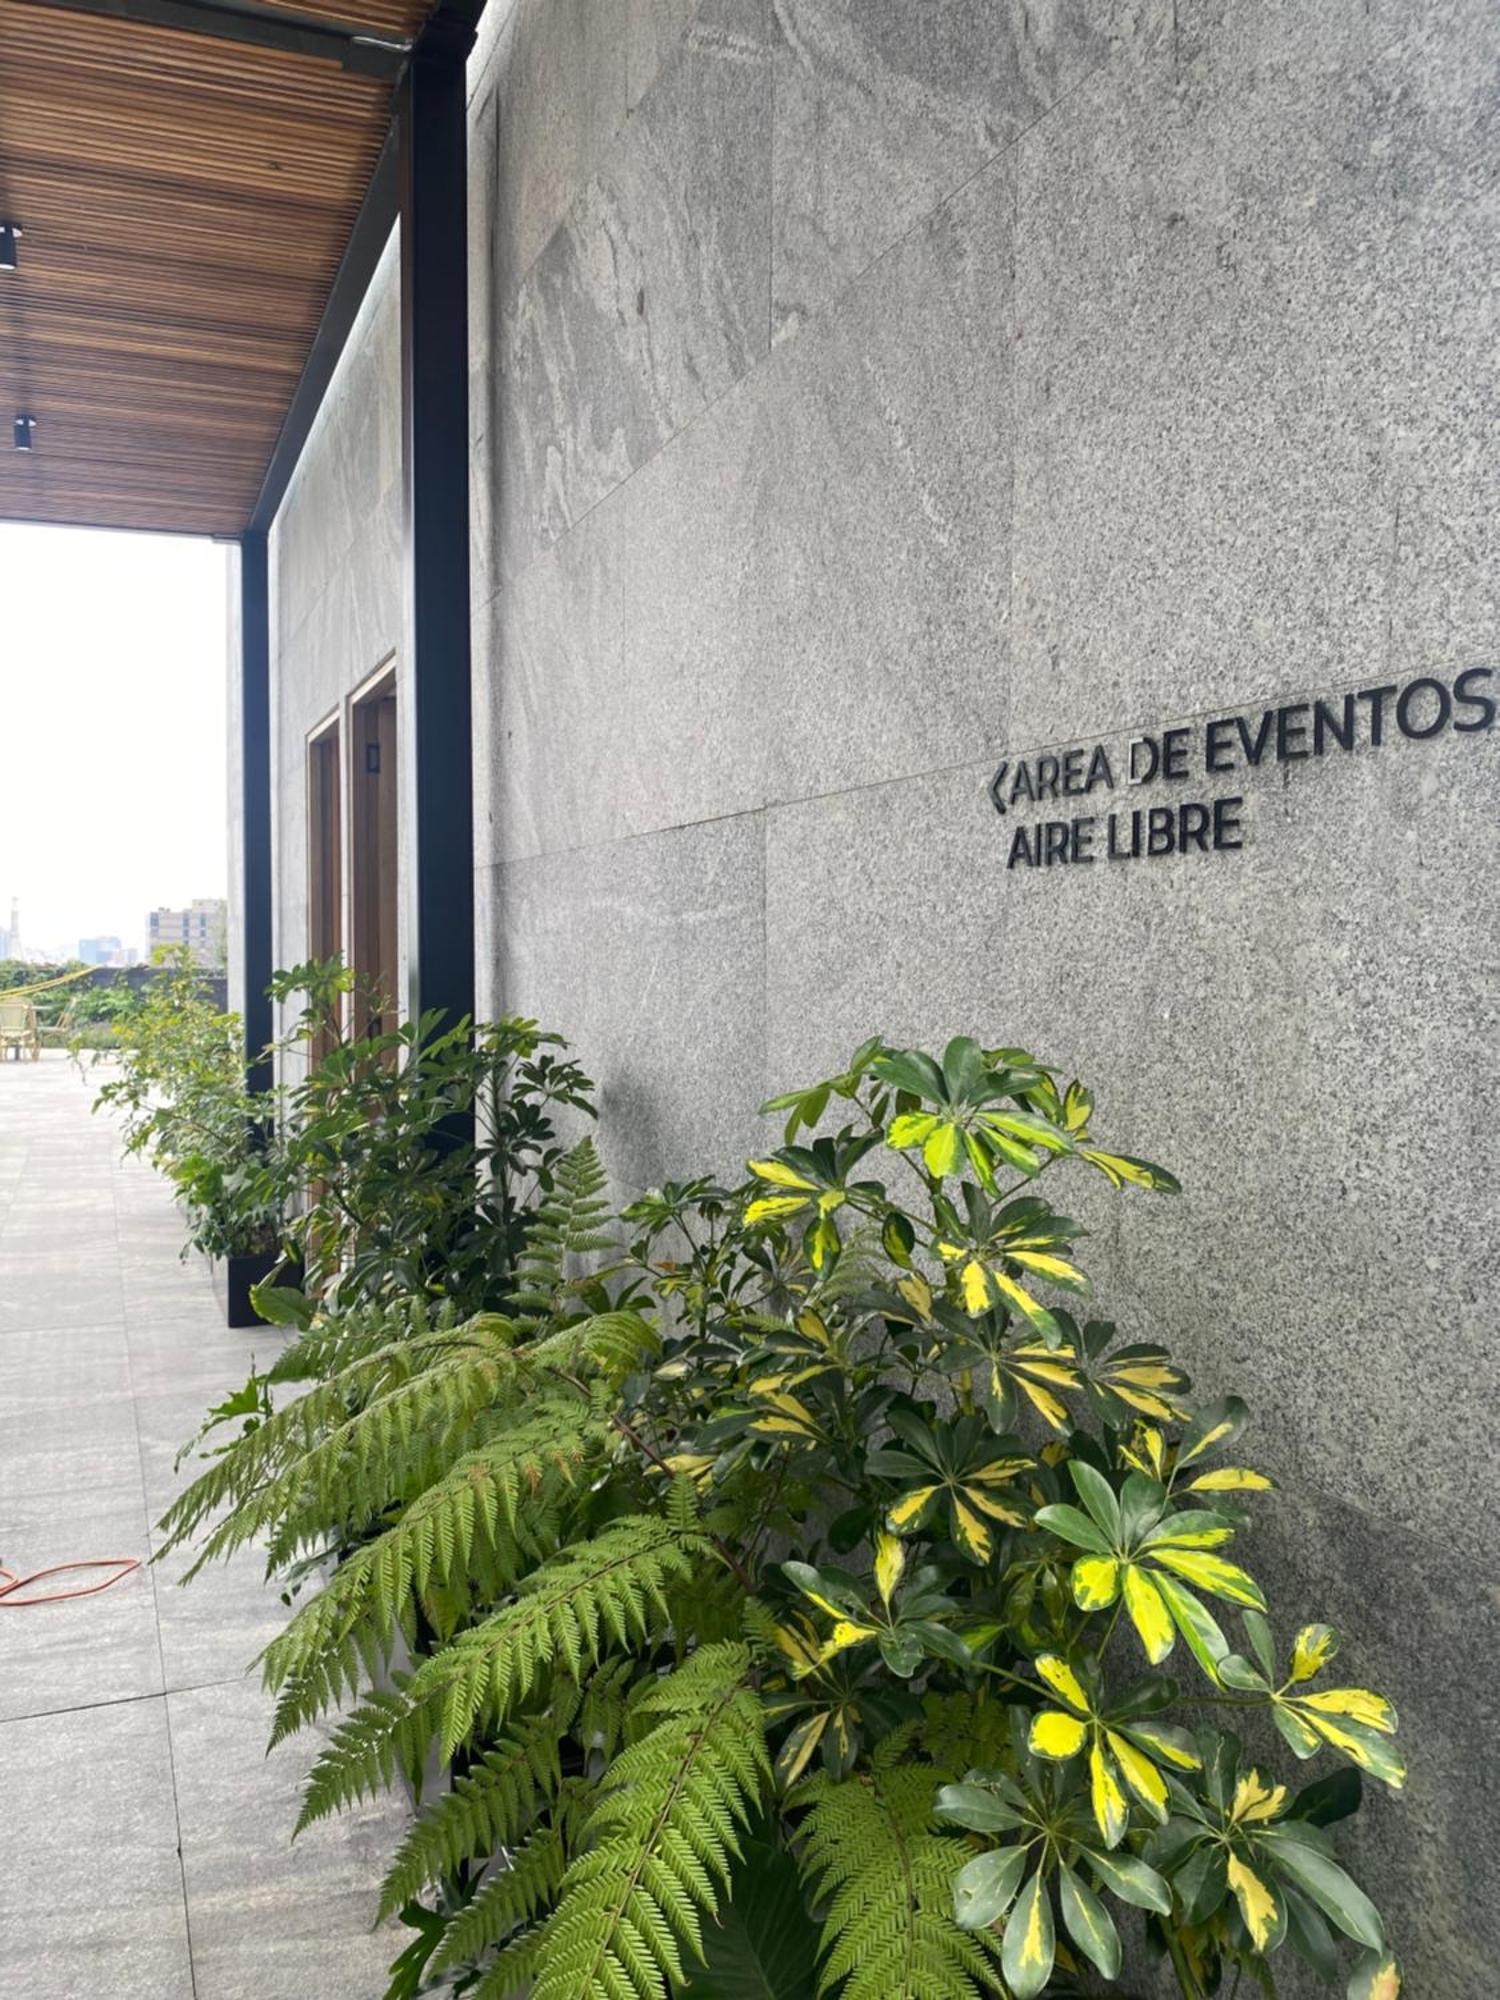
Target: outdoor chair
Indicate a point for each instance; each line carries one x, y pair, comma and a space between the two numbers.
18, 1029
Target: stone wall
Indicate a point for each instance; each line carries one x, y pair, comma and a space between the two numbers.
865, 392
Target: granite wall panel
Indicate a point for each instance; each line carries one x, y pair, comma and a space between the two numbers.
1144, 370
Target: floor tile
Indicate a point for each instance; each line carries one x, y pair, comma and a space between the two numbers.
92, 1904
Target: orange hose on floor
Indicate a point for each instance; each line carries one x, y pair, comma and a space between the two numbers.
10, 1583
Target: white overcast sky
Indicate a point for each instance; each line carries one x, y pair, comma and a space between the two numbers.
112, 746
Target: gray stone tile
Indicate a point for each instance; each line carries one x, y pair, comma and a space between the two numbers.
761, 626
561, 72
89, 1650
168, 1424
883, 111
215, 1628
666, 1002
1249, 328
272, 1921
88, 1853
651, 299
61, 1447
654, 33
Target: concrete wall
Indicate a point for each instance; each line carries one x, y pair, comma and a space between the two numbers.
865, 392
335, 560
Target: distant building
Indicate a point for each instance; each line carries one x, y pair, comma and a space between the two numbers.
101, 951
201, 926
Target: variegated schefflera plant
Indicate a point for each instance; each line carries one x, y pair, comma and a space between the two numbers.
1053, 1532
809, 1602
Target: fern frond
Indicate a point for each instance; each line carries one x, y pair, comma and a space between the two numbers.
483, 1344
335, 1340
873, 1860
521, 1885
658, 1847
489, 1806
567, 1224
478, 1529
607, 1591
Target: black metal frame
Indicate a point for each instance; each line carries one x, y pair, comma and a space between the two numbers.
422, 177
433, 686
255, 804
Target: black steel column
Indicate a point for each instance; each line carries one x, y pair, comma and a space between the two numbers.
433, 701
255, 803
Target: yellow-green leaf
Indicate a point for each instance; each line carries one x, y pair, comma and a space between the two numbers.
1230, 1479
917, 1293
943, 1151
1029, 1946
1213, 1574
1141, 1775
1035, 1314
797, 1751
1148, 1614
780, 1175
1046, 1404
1111, 1813
1255, 1800
912, 1128
1096, 1582
1358, 1704
1376, 1977
976, 1283
1257, 1904
890, 1561
847, 1633
1062, 1680
1058, 1269
904, 1513
971, 1531
1056, 1735
1312, 1649
1369, 1750
772, 1205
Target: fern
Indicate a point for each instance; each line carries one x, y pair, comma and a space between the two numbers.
521, 1885
335, 1340
658, 1847
564, 1617
476, 1531
871, 1857
567, 1224
489, 1806
392, 1381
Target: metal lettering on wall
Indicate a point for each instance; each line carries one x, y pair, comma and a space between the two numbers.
1367, 718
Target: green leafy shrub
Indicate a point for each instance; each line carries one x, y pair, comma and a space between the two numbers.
180, 1095
807, 1599
419, 1152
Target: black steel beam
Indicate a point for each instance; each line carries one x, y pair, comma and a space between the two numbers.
352, 48
368, 238
255, 805
434, 720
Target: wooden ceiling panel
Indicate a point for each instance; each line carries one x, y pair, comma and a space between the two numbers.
185, 202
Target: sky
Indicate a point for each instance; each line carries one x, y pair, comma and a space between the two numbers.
112, 717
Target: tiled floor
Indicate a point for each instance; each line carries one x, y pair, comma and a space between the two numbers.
143, 1834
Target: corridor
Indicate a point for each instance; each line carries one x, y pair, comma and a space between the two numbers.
144, 1835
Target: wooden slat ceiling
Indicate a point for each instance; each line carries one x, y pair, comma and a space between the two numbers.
185, 202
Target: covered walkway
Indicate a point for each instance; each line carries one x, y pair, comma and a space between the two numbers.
144, 1835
